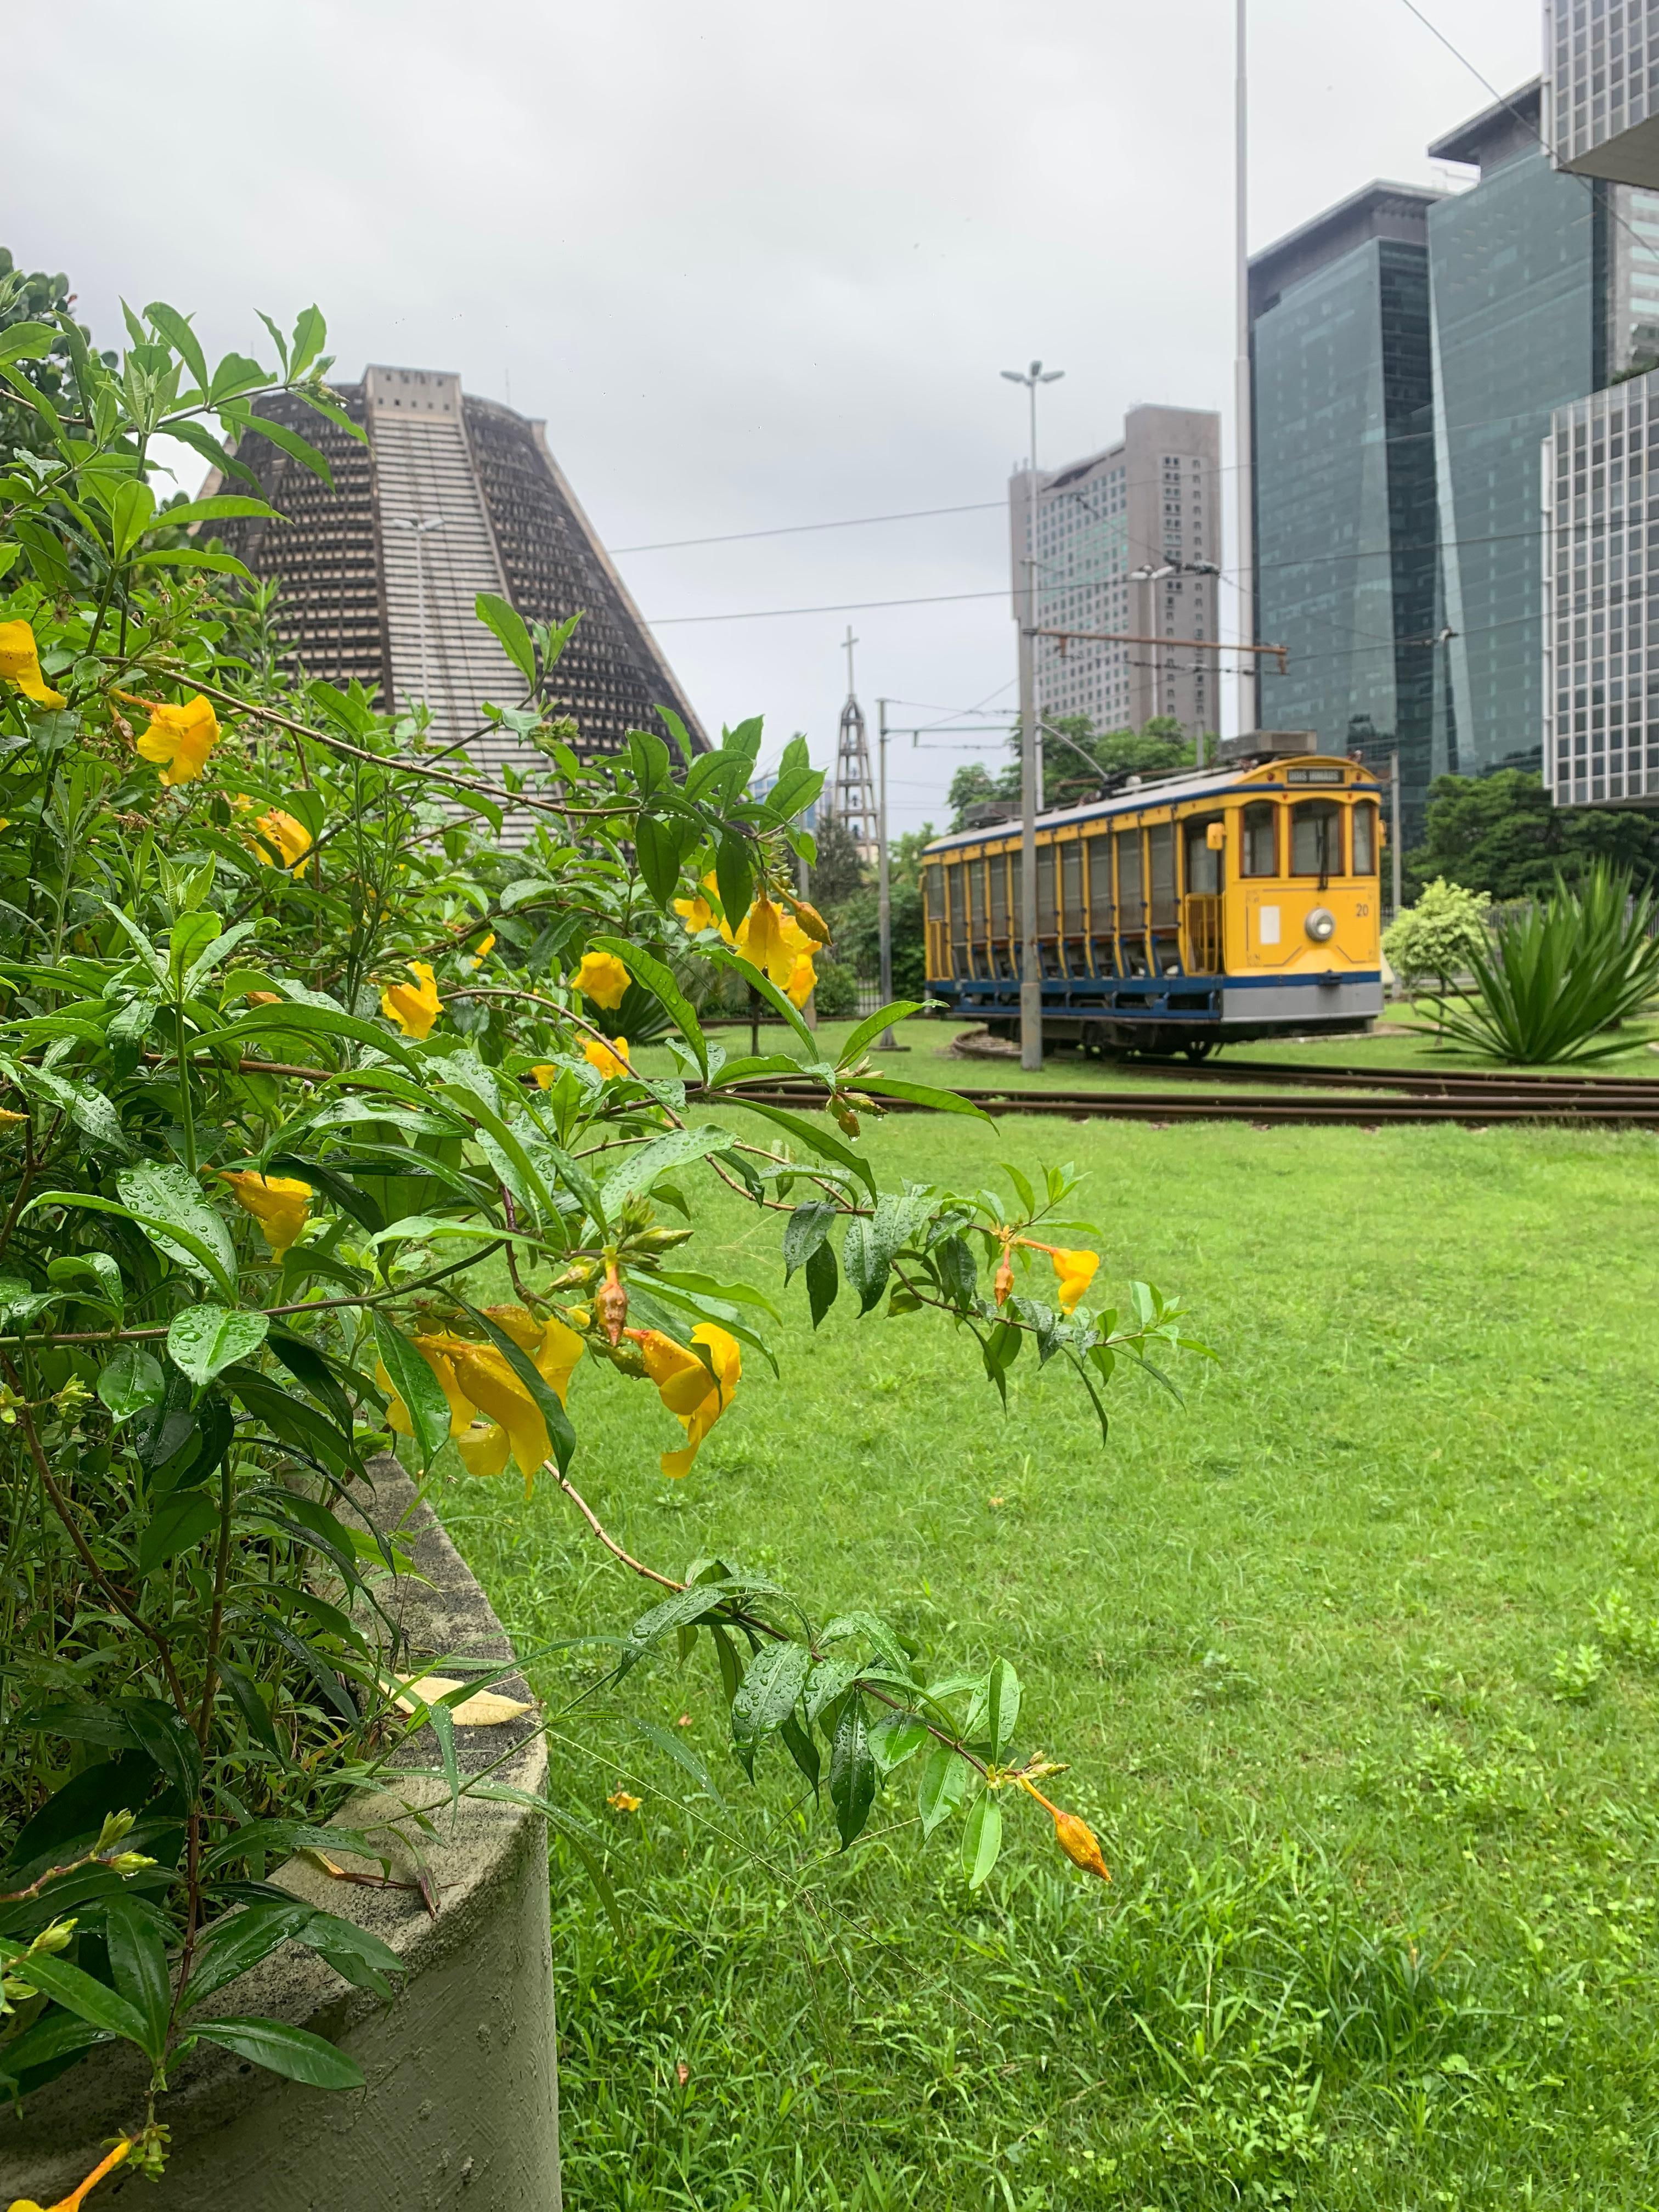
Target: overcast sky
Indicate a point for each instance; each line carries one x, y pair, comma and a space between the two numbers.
758, 262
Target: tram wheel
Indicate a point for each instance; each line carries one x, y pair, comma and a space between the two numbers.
1199, 1051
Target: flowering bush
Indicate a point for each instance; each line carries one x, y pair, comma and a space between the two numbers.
301, 1067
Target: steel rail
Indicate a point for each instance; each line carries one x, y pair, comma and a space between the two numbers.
1262, 1109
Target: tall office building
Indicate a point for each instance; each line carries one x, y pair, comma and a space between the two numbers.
1344, 476
1119, 540
449, 496
1601, 65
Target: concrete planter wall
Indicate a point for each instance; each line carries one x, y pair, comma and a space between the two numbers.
461, 2106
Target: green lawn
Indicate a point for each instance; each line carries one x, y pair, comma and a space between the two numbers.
1384, 1926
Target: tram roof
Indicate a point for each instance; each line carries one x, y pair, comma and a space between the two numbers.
1162, 791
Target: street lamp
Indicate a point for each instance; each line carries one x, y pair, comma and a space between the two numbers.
1030, 980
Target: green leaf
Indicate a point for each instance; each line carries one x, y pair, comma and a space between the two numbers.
662, 847
685, 1606
814, 1138
1001, 1706
310, 337
139, 1960
805, 1231
167, 1203
499, 615
678, 731
735, 877
640, 1167
203, 1341
192, 556
131, 510
89, 2000
771, 1687
233, 1945
27, 342
222, 506
659, 979
759, 981
943, 1785
130, 1380
181, 1520
798, 1743
872, 1026
286, 440
921, 1094
294, 2052
852, 1772
561, 1434
823, 1281
896, 1738
176, 330
982, 1839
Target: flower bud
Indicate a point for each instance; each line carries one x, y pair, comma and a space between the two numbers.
611, 1307
1077, 1839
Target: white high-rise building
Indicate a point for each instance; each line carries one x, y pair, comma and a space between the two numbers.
1129, 541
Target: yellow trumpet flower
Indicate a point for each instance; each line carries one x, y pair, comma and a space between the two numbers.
461, 1406
287, 836
1075, 1837
693, 1395
20, 664
489, 1381
611, 1059
695, 913
623, 1801
179, 738
76, 2197
555, 1347
1075, 1270
414, 1007
486, 946
803, 979
771, 940
280, 1205
545, 1073
603, 978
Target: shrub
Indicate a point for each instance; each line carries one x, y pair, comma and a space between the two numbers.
1438, 938
1560, 975
293, 1047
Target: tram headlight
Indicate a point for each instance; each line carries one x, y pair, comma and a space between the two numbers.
1321, 925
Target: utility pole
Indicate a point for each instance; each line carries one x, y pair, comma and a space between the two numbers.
1249, 716
810, 1011
886, 1042
1030, 758
1394, 828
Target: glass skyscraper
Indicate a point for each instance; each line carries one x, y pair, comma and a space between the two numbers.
1344, 460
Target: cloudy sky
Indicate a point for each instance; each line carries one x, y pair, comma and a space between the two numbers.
758, 262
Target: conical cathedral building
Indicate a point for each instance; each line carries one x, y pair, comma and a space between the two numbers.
449, 496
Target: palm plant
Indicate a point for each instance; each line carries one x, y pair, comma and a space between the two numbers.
1554, 979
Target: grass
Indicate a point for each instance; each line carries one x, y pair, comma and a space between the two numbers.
1328, 1650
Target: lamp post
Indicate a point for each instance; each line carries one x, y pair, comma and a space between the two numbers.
1030, 980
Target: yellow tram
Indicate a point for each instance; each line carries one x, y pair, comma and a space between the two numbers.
1181, 913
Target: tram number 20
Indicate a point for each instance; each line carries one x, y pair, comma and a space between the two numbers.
1361, 913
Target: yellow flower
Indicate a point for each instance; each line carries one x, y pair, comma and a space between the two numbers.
695, 913
693, 1395
486, 946
76, 2197
486, 1379
611, 1059
288, 837
545, 1073
6, 1114
1076, 1271
179, 739
20, 664
281, 1206
803, 979
483, 1450
460, 1408
765, 940
414, 1008
553, 1346
603, 978
622, 1801
1078, 1840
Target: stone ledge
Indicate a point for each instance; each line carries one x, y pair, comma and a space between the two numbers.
462, 2097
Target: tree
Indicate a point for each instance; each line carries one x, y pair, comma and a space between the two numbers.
1439, 937
1499, 834
837, 872
1159, 747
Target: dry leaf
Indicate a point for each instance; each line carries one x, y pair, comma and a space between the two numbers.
483, 1709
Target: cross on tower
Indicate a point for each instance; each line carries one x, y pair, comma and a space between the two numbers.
853, 792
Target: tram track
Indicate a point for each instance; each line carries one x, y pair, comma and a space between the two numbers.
1398, 1097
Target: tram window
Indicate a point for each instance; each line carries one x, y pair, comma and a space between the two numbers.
932, 881
1047, 920
1016, 895
1132, 905
1364, 838
1259, 857
977, 907
959, 905
1071, 885
998, 865
1100, 882
1316, 838
1203, 867
1160, 848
